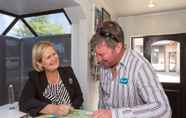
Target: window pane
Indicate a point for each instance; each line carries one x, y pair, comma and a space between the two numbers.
50, 24
165, 58
138, 45
158, 58
20, 30
5, 21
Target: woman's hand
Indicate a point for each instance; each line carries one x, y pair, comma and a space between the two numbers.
65, 109
59, 110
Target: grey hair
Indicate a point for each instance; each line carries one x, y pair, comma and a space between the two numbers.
110, 32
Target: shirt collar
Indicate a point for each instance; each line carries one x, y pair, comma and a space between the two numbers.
123, 60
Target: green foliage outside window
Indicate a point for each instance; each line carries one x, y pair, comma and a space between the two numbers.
41, 25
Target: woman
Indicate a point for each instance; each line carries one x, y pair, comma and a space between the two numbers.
50, 89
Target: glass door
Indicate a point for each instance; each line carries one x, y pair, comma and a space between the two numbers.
165, 58
167, 53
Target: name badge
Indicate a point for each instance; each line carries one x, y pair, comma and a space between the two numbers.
123, 80
70, 81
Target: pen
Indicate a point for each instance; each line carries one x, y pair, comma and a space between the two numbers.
52, 116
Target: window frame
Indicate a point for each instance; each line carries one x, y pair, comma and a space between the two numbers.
22, 18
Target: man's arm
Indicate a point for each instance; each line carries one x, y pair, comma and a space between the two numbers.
156, 103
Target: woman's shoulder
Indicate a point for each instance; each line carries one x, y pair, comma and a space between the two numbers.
65, 69
34, 75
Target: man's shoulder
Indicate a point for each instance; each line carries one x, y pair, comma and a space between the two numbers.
137, 55
140, 58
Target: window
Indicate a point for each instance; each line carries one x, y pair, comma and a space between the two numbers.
46, 23
20, 30
138, 44
165, 58
49, 24
158, 57
5, 21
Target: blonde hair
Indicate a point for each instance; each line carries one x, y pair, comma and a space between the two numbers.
37, 53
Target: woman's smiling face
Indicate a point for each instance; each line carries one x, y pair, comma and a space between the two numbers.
50, 59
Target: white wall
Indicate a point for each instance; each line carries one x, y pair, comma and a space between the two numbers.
153, 24
107, 6
81, 33
82, 17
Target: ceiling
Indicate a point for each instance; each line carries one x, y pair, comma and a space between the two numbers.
20, 7
119, 7
136, 7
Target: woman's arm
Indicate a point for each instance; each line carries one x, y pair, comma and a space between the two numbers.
58, 110
77, 99
28, 102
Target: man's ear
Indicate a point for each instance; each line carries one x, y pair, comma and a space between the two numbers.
118, 47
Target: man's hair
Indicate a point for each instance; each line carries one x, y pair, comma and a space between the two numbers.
110, 32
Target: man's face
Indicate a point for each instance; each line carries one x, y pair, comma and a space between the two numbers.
105, 55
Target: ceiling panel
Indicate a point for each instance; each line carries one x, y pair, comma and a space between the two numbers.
135, 7
119, 7
20, 7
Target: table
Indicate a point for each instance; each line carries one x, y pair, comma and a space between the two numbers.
75, 114
5, 112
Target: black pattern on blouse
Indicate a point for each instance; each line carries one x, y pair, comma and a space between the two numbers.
57, 93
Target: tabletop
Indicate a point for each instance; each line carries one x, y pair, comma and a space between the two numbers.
75, 114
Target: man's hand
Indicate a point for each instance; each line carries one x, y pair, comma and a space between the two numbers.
102, 113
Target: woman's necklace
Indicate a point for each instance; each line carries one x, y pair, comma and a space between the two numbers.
56, 81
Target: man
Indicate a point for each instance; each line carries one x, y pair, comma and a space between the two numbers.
129, 87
